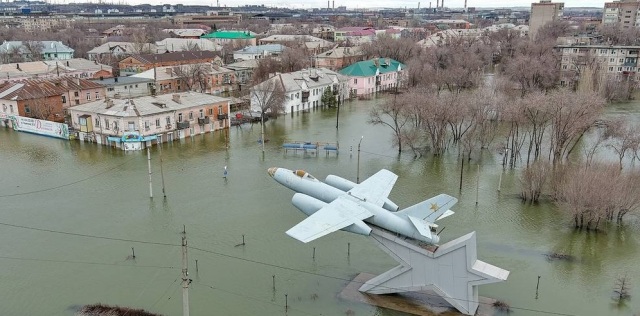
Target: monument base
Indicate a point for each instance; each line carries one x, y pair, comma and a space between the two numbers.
424, 303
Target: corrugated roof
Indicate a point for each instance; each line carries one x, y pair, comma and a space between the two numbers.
368, 68
39, 88
148, 105
175, 56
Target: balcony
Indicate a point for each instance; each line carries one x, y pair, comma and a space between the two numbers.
223, 116
203, 120
182, 125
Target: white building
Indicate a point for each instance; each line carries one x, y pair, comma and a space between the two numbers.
303, 89
258, 52
126, 87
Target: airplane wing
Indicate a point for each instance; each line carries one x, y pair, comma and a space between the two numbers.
376, 188
336, 215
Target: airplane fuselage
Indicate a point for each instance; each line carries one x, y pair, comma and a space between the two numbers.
313, 195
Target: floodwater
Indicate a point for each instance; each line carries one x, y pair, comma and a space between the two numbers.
73, 192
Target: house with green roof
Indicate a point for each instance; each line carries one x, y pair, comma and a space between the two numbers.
374, 75
223, 37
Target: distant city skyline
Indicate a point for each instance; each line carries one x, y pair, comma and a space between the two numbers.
369, 3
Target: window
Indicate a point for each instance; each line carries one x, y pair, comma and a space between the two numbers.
564, 66
88, 96
220, 110
97, 95
610, 68
611, 60
76, 94
158, 123
201, 113
621, 60
97, 122
136, 86
106, 123
355, 81
168, 119
619, 68
110, 89
64, 99
146, 125
179, 117
125, 87
210, 111
132, 126
27, 109
115, 125
11, 108
190, 115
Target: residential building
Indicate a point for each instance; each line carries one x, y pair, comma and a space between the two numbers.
312, 44
76, 67
110, 51
47, 99
610, 62
169, 45
206, 78
138, 63
258, 52
185, 33
369, 77
339, 57
303, 89
126, 87
46, 50
134, 123
243, 71
354, 34
224, 37
624, 12
444, 24
542, 13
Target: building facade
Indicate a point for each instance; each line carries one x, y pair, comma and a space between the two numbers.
47, 50
206, 78
369, 77
138, 63
126, 87
258, 52
542, 13
339, 57
624, 12
303, 89
610, 62
133, 123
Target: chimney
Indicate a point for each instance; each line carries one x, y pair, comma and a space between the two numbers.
176, 98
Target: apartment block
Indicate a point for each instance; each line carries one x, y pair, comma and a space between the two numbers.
542, 13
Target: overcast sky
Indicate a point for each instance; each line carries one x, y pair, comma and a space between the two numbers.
373, 3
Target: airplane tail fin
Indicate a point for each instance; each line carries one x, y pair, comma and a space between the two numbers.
431, 210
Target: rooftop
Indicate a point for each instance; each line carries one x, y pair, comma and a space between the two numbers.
371, 67
229, 35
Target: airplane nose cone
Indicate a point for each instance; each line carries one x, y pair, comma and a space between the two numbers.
272, 171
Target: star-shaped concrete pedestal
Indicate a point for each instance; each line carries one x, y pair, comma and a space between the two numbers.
452, 271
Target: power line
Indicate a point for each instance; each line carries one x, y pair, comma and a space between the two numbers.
231, 257
70, 183
89, 236
84, 262
350, 280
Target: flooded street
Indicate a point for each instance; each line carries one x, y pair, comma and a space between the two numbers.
70, 213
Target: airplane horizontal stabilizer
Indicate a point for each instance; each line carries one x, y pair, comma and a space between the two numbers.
432, 209
422, 227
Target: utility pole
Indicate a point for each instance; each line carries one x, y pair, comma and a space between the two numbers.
164, 193
185, 274
149, 165
358, 166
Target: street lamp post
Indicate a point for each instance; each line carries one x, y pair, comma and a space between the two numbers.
358, 166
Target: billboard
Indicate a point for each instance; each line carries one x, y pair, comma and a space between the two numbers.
40, 127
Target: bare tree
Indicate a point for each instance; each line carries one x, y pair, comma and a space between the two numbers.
268, 96
402, 49
33, 49
621, 288
533, 179
195, 77
573, 114
394, 114
623, 137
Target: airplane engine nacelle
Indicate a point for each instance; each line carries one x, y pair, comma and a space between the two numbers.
346, 185
307, 204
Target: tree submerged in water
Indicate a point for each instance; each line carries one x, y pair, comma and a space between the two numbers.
106, 310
